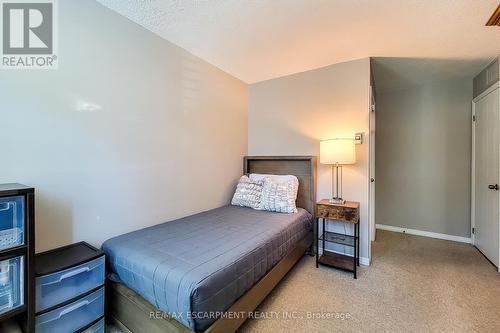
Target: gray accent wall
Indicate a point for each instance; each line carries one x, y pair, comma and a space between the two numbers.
423, 157
129, 131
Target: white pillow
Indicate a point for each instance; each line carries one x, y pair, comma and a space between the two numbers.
248, 193
279, 194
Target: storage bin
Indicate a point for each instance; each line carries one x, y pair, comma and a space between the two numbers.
98, 327
11, 222
73, 316
56, 288
11, 284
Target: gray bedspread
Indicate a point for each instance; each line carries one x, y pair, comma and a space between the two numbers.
199, 265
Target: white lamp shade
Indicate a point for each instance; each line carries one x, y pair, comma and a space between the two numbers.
337, 151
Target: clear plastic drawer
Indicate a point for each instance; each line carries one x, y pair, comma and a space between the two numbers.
11, 284
73, 316
98, 327
11, 222
56, 288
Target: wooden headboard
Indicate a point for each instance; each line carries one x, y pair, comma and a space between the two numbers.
304, 167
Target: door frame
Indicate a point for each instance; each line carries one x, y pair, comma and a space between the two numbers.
473, 167
371, 166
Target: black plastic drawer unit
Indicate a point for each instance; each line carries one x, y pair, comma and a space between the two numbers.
69, 288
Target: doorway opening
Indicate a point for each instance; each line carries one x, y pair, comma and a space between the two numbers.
422, 147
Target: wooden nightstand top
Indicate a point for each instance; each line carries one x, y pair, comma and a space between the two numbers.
347, 212
347, 204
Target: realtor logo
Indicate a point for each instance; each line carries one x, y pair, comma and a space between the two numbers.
29, 34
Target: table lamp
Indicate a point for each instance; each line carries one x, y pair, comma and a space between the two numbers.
337, 152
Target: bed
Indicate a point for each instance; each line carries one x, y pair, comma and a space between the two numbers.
205, 272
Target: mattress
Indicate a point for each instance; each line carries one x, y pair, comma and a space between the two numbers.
196, 267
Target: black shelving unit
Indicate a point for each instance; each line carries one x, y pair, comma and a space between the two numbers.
17, 253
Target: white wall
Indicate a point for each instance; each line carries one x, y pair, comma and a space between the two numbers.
165, 139
423, 145
290, 115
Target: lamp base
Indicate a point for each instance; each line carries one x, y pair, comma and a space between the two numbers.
336, 194
338, 201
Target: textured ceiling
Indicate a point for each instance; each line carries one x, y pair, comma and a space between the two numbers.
256, 40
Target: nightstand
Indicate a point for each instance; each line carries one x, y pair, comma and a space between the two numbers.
345, 213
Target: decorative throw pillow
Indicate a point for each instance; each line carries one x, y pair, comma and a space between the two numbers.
279, 196
248, 193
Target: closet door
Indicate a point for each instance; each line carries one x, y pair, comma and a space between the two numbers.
487, 159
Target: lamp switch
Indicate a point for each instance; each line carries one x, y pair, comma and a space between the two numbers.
358, 138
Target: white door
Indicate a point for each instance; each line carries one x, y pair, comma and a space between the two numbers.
372, 165
486, 169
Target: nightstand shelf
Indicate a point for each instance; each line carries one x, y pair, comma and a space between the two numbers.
337, 238
336, 260
345, 213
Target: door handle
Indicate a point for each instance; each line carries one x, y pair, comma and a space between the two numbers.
493, 187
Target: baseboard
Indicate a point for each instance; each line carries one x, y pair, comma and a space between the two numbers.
424, 233
362, 260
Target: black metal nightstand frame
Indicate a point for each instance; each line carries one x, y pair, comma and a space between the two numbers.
336, 260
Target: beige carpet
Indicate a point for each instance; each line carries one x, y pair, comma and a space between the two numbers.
415, 284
